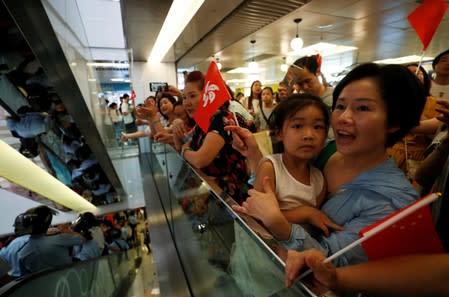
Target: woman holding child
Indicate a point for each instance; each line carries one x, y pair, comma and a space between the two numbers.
363, 183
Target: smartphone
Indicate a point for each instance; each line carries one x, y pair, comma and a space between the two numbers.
158, 86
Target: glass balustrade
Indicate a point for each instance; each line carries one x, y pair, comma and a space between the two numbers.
223, 254
103, 276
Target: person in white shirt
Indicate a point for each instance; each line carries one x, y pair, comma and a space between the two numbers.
440, 84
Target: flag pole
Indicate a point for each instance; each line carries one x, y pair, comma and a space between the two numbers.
420, 61
415, 206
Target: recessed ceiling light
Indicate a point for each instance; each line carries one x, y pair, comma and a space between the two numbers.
403, 60
325, 26
322, 48
179, 15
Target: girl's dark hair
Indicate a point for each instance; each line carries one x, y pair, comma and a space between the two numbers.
251, 95
401, 91
268, 88
427, 82
170, 98
289, 107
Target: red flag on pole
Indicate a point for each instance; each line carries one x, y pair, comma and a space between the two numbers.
426, 18
410, 230
133, 96
213, 96
406, 231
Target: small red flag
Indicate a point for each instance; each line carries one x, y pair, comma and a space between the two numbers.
133, 95
426, 18
413, 233
213, 96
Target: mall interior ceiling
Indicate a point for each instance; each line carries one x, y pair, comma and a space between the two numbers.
378, 29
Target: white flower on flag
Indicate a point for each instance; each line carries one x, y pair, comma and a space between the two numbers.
209, 93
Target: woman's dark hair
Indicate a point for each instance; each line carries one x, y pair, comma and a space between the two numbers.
311, 63
427, 83
401, 91
289, 107
198, 78
251, 95
195, 77
170, 98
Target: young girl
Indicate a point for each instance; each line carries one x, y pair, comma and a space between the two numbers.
254, 98
265, 109
301, 124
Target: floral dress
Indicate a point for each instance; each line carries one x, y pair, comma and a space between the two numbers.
229, 166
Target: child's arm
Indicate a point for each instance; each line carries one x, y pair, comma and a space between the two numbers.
322, 196
310, 215
265, 169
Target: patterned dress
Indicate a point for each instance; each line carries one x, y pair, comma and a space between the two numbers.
229, 166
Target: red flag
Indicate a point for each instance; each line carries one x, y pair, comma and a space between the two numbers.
213, 96
133, 96
426, 18
413, 233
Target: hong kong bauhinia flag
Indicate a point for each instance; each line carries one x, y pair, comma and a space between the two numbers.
214, 95
426, 18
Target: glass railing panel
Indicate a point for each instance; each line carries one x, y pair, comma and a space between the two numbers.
102, 276
67, 22
222, 254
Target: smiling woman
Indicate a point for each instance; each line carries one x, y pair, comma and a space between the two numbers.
364, 184
212, 151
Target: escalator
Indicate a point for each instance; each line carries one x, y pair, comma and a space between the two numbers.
105, 276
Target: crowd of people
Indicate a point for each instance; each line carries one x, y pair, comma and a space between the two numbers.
342, 164
48, 132
36, 246
344, 161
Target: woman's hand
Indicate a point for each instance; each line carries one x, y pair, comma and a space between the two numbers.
124, 137
261, 205
164, 137
325, 273
443, 108
178, 128
245, 143
172, 90
140, 121
243, 140
146, 112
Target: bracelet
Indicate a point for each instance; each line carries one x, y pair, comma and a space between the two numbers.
184, 150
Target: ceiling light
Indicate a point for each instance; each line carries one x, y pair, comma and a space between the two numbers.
297, 42
108, 64
92, 79
322, 48
36, 179
219, 66
404, 60
245, 70
118, 79
179, 15
284, 66
252, 65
